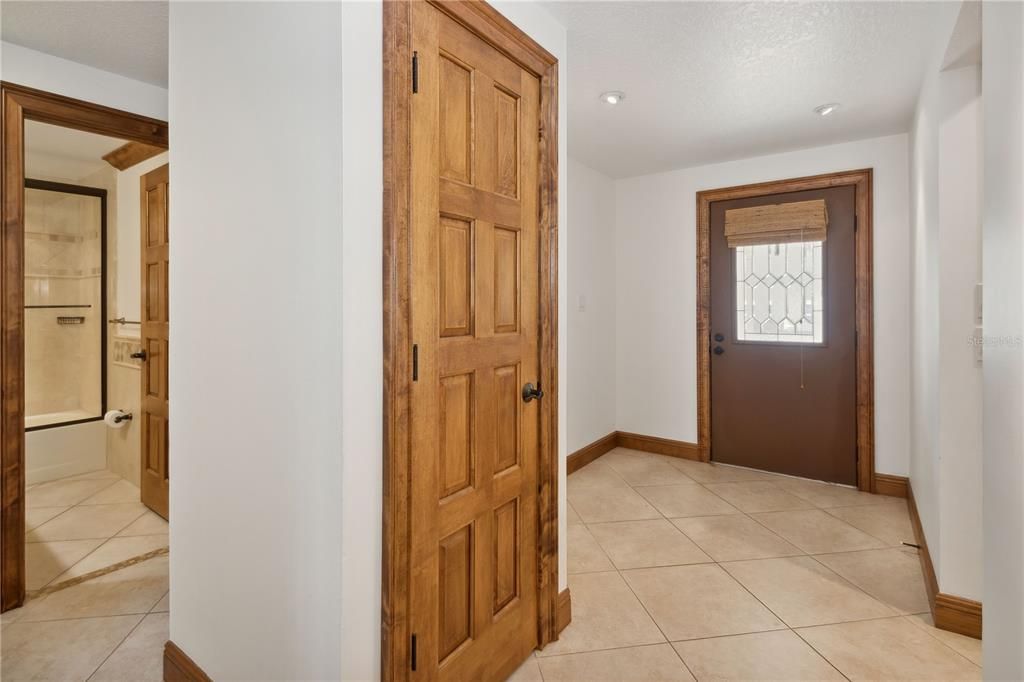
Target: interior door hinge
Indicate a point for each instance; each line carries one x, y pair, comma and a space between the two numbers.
412, 653
415, 72
415, 362
856, 223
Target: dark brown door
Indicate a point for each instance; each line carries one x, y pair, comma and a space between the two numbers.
783, 340
475, 323
155, 487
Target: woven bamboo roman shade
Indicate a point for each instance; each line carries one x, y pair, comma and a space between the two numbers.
799, 221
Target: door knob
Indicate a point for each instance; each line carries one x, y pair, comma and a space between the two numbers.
529, 393
139, 355
719, 337
718, 350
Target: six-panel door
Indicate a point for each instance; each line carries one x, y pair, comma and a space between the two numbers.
153, 414
475, 275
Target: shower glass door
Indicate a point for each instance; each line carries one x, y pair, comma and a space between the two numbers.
65, 304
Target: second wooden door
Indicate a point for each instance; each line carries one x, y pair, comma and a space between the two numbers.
155, 323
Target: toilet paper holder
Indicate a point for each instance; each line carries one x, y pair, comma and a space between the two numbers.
126, 417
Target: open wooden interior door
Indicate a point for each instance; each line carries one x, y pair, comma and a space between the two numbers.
153, 412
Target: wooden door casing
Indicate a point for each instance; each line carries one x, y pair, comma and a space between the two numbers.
20, 104
475, 323
155, 325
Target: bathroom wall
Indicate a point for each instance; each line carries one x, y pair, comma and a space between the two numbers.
51, 351
125, 300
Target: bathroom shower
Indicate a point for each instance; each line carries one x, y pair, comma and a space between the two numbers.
65, 303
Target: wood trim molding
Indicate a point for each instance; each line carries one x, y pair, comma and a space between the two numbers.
661, 446
862, 181
949, 612
633, 441
178, 667
485, 21
131, 153
564, 610
957, 614
588, 453
931, 583
20, 104
893, 486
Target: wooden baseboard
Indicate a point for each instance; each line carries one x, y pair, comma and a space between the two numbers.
931, 584
633, 441
949, 612
564, 615
589, 453
661, 446
893, 486
957, 614
178, 667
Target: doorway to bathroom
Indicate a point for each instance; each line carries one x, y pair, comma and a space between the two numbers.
83, 349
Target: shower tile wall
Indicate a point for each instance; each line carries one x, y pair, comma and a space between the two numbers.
62, 267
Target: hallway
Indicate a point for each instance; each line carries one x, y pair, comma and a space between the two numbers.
681, 570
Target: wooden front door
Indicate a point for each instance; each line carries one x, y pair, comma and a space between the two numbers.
475, 326
784, 345
153, 414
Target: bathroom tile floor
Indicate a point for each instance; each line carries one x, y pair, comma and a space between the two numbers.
113, 627
84, 523
681, 570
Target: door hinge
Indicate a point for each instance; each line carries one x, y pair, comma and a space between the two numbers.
856, 223
415, 72
412, 653
415, 362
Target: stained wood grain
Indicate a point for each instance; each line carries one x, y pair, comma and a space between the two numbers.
130, 154
494, 193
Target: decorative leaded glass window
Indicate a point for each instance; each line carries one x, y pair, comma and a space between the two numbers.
779, 296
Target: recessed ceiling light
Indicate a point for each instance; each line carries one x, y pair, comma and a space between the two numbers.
612, 97
826, 109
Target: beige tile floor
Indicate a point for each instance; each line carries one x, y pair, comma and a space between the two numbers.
84, 523
112, 627
670, 581
681, 570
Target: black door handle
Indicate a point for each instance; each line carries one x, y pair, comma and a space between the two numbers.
719, 337
530, 393
139, 355
718, 350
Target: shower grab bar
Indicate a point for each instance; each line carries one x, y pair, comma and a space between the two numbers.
121, 320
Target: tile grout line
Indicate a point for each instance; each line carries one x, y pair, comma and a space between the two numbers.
806, 553
114, 650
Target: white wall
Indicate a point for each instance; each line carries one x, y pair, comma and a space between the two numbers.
256, 339
362, 354
362, 90
656, 287
946, 395
34, 69
591, 330
1003, 252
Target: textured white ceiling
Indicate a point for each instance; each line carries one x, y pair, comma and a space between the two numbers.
126, 38
708, 82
